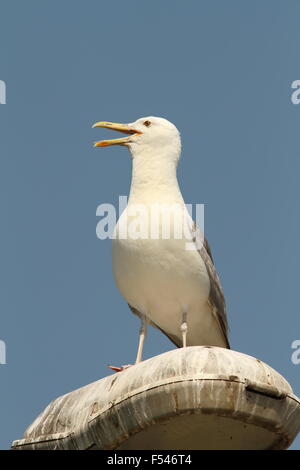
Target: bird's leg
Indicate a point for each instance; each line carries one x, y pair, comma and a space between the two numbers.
143, 332
183, 329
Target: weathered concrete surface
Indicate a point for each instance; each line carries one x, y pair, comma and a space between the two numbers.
193, 398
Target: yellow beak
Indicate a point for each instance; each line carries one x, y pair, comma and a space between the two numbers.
125, 128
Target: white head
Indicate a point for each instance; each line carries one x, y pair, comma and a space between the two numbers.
148, 135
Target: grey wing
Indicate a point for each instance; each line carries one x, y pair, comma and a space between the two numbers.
216, 295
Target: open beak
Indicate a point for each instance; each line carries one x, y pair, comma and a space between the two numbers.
124, 128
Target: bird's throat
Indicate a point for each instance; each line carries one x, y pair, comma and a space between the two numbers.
154, 177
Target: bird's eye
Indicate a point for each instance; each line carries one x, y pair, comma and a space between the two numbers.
147, 123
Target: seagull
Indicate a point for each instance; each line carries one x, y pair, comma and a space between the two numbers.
169, 282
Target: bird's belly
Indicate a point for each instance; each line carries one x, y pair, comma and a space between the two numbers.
162, 280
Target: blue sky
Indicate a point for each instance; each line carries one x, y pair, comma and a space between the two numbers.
222, 72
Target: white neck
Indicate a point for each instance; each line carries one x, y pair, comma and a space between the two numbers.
154, 176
